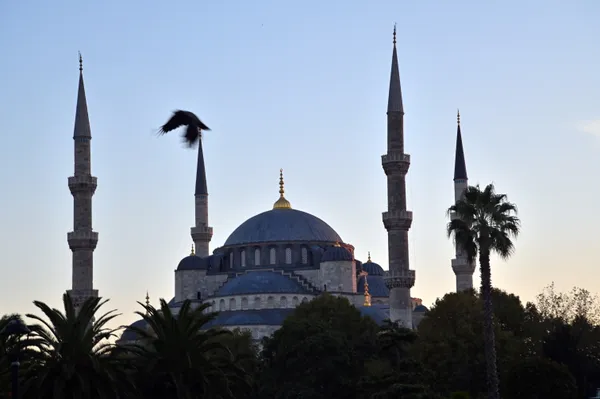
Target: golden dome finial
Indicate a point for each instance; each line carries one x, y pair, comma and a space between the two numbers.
281, 203
367, 295
369, 257
192, 253
458, 117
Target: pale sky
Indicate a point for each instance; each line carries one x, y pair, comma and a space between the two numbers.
300, 86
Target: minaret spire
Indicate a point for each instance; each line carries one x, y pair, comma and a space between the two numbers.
460, 166
395, 92
463, 269
201, 233
82, 240
397, 220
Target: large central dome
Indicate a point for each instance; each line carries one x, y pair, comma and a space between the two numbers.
283, 225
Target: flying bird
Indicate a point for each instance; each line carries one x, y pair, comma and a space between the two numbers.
185, 118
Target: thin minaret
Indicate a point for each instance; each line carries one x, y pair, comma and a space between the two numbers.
463, 269
201, 233
82, 240
397, 220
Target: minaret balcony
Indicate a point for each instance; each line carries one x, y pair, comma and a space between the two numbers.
201, 233
85, 239
461, 265
85, 184
400, 279
395, 163
397, 220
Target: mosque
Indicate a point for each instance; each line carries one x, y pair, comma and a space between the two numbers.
281, 257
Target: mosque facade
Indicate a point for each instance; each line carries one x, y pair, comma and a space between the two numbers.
281, 257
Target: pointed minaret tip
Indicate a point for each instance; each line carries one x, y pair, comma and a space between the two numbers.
201, 186
460, 165
395, 93
82, 120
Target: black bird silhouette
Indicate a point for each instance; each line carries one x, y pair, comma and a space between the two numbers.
185, 118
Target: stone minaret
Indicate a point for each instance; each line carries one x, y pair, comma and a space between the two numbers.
201, 233
82, 240
463, 269
397, 220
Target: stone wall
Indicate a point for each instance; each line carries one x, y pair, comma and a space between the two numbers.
338, 276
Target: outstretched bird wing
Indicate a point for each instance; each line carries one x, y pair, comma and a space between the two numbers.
178, 119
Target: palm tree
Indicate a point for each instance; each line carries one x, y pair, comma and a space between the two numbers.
10, 345
180, 360
72, 356
483, 222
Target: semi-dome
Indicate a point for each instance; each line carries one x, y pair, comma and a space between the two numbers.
282, 224
336, 253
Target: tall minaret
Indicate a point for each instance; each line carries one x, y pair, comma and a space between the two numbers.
397, 220
201, 233
82, 240
463, 269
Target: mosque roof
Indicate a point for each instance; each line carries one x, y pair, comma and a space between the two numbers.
193, 262
282, 223
269, 317
261, 282
372, 268
418, 308
377, 287
336, 253
378, 313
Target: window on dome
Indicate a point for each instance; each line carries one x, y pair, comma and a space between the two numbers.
222, 305
257, 257
304, 300
288, 256
272, 256
270, 302
231, 260
244, 303
232, 304
295, 301
283, 302
304, 256
243, 258
257, 303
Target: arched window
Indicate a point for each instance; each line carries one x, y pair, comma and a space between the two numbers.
257, 257
295, 301
270, 302
232, 304
213, 307
283, 302
244, 303
257, 303
243, 258
288, 256
272, 256
222, 305
304, 256
304, 300
231, 260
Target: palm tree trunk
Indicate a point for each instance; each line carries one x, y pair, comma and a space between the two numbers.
488, 324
